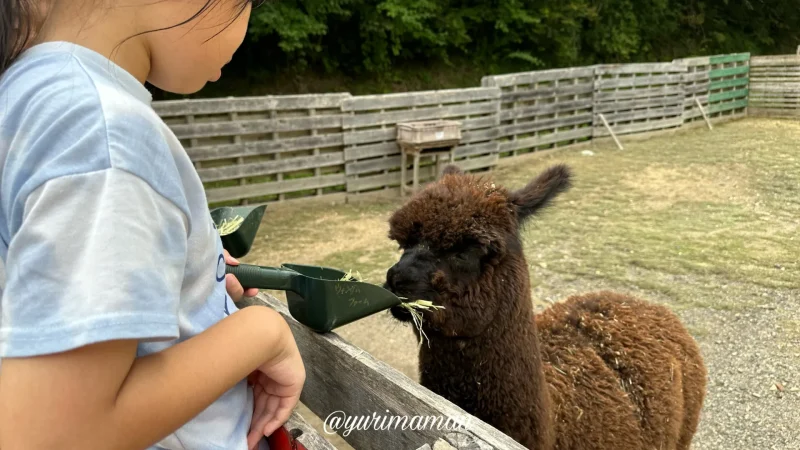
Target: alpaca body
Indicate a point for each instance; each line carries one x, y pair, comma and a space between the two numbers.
600, 371
641, 389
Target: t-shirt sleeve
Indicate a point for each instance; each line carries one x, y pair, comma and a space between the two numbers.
98, 256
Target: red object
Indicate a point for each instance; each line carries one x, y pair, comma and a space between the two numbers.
282, 440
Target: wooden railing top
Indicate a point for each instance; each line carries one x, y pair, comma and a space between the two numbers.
344, 380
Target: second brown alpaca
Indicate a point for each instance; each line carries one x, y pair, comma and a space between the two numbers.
600, 371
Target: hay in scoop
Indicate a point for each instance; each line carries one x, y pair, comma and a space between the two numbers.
228, 226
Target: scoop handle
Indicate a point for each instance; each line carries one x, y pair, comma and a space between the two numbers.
261, 277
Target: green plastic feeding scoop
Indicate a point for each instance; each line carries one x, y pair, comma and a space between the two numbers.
320, 298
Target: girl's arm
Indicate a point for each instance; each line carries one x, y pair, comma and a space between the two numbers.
99, 396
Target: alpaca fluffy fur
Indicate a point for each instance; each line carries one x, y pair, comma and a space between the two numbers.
599, 371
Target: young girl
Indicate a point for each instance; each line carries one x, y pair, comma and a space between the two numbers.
117, 326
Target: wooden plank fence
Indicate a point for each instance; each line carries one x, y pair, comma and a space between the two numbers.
258, 149
637, 98
545, 109
371, 152
728, 90
273, 148
775, 86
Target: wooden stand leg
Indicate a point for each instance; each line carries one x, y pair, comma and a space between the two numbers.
403, 172
416, 171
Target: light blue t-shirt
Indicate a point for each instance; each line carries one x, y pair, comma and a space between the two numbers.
105, 231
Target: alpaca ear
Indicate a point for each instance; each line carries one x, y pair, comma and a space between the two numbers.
541, 191
452, 169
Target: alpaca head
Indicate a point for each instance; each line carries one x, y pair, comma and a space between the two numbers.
461, 247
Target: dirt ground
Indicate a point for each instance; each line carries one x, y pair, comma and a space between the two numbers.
703, 221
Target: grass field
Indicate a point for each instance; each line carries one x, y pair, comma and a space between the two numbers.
703, 221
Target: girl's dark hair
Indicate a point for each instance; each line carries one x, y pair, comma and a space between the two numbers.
19, 20
17, 27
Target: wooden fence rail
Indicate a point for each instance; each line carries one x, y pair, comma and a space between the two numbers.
272, 148
775, 86
346, 382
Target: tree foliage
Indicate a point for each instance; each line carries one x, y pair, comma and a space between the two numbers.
369, 36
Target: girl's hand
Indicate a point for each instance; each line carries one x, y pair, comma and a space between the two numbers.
235, 289
276, 391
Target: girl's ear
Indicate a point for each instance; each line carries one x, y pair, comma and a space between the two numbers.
540, 192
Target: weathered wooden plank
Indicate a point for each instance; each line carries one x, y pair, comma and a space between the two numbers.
386, 179
774, 93
689, 101
356, 137
545, 139
695, 61
640, 114
728, 72
779, 72
208, 174
733, 57
696, 89
695, 77
255, 148
342, 378
526, 95
772, 112
424, 98
546, 124
619, 69
638, 104
308, 436
540, 76
788, 86
727, 95
393, 117
225, 194
632, 82
600, 131
373, 165
477, 149
545, 109
247, 127
776, 103
371, 151
666, 91
478, 163
472, 136
724, 84
170, 108
774, 60
793, 85
720, 107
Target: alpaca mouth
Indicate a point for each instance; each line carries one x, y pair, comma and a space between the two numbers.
399, 312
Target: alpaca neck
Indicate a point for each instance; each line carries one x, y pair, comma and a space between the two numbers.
497, 375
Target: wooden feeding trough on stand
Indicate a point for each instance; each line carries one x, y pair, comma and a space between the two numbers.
435, 138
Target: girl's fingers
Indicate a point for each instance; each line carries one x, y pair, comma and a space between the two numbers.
279, 415
230, 259
234, 288
259, 407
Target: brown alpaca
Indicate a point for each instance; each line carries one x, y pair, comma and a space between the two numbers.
600, 371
